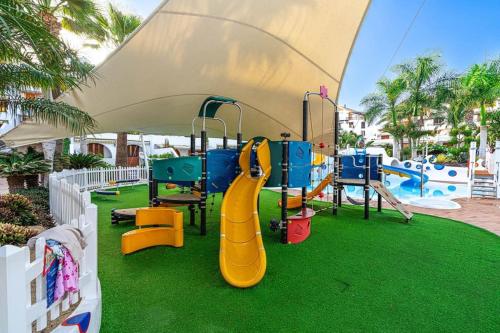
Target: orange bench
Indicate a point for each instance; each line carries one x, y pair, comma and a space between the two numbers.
165, 227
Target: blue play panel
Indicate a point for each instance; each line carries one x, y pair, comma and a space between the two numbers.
221, 169
353, 167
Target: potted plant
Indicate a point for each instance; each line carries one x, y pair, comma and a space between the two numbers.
15, 166
32, 180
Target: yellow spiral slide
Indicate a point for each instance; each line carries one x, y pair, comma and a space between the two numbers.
242, 257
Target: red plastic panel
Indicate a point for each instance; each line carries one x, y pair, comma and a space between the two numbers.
299, 226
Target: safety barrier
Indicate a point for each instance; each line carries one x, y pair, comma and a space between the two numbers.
23, 303
91, 179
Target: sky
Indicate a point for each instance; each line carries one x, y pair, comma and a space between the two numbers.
463, 32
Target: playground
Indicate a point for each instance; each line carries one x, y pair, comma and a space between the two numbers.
350, 275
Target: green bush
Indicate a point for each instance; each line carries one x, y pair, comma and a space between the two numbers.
39, 197
436, 149
162, 156
15, 234
19, 210
80, 161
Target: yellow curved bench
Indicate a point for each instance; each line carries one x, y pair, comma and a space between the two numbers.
169, 233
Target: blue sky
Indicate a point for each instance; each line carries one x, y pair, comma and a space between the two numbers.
462, 31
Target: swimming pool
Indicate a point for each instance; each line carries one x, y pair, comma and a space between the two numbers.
436, 190
432, 189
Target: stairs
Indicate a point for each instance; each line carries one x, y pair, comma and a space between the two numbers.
484, 186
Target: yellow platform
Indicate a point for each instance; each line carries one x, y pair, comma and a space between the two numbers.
242, 257
168, 231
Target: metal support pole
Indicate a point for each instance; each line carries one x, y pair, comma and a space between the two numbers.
422, 178
192, 152
203, 198
150, 186
284, 189
224, 142
155, 193
367, 186
380, 172
335, 178
336, 190
305, 111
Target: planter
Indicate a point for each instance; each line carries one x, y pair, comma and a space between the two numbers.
32, 181
15, 183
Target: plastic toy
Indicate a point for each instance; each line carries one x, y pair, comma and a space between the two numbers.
242, 256
168, 229
116, 184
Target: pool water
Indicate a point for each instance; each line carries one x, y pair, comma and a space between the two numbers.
404, 194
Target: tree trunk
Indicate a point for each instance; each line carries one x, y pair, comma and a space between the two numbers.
121, 150
395, 148
32, 181
483, 140
15, 183
83, 145
413, 149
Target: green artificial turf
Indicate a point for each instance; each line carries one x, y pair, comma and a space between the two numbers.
351, 275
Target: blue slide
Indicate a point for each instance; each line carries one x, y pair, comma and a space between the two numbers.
414, 176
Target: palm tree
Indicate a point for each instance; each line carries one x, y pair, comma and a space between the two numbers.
81, 17
425, 80
16, 166
482, 82
118, 27
348, 138
31, 57
383, 106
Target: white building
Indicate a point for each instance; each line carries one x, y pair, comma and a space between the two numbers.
105, 146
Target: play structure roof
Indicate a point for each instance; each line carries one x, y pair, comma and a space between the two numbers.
264, 54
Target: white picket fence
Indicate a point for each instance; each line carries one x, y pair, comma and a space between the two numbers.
19, 308
92, 179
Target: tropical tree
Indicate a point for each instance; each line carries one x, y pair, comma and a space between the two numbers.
425, 82
81, 17
482, 82
30, 58
16, 166
382, 106
118, 26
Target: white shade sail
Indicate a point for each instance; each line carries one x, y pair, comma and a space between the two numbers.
265, 54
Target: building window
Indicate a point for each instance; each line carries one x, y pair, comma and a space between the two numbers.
99, 150
96, 149
363, 133
385, 136
362, 124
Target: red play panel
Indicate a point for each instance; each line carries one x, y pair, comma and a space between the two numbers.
299, 226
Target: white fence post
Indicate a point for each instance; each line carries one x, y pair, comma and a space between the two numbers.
90, 221
13, 316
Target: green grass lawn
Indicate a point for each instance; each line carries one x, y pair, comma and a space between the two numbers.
431, 275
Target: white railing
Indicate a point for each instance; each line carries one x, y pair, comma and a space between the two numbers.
92, 179
20, 304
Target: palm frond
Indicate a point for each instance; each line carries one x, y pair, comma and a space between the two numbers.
54, 113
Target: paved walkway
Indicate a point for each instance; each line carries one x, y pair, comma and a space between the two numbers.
482, 213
